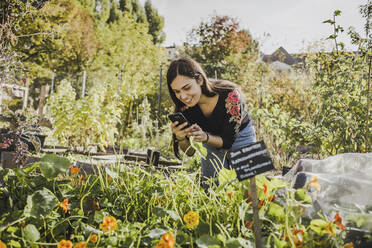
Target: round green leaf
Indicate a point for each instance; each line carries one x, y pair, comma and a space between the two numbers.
276, 211
51, 165
40, 204
206, 241
156, 233
159, 211
31, 233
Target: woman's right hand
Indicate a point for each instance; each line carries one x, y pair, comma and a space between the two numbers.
180, 133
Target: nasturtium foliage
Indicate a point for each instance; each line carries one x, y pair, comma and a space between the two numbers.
198, 146
31, 233
226, 176
156, 233
276, 211
40, 204
206, 241
302, 195
51, 165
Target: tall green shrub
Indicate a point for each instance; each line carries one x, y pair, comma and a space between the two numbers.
86, 121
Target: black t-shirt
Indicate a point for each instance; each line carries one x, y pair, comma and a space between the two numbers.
229, 116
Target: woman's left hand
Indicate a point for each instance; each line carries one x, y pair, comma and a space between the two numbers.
198, 134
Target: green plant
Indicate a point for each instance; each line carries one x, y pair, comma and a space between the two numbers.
86, 121
52, 202
145, 131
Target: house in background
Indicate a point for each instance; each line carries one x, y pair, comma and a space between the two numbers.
282, 61
172, 52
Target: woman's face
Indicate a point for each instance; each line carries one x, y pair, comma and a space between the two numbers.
187, 90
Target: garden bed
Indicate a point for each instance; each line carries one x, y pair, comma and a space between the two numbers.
53, 203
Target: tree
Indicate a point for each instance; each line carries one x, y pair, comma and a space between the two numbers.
114, 12
138, 13
102, 10
134, 8
156, 23
89, 5
128, 52
60, 37
214, 40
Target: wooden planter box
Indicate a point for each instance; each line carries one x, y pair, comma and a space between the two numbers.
7, 160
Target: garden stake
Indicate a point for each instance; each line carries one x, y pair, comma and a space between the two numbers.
249, 162
256, 218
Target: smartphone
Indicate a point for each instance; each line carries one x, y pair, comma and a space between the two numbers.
180, 118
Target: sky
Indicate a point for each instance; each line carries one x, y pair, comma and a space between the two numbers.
292, 24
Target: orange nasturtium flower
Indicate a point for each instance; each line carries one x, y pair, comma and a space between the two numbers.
338, 222
298, 239
260, 204
191, 219
314, 182
330, 228
349, 245
248, 224
167, 241
81, 245
298, 231
74, 170
64, 205
93, 238
265, 189
82, 178
108, 224
65, 244
271, 198
2, 245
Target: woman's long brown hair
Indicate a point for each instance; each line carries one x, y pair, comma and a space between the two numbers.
190, 68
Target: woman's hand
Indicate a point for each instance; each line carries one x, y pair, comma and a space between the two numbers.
180, 133
198, 134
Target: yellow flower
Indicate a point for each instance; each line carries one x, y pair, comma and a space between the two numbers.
81, 245
65, 244
108, 224
191, 219
93, 238
2, 245
64, 205
314, 182
167, 241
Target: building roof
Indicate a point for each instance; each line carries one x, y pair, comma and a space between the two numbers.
279, 55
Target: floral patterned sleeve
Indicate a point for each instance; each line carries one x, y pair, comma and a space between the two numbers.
235, 112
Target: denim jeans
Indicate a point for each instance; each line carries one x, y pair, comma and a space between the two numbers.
217, 157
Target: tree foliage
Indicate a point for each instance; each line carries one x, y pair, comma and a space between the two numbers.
134, 8
330, 109
59, 37
69, 37
156, 23
213, 41
11, 12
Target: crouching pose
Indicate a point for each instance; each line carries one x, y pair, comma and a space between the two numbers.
216, 110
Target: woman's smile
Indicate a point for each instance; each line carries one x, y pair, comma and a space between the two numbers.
186, 89
187, 101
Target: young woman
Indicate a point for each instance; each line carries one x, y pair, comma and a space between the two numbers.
217, 111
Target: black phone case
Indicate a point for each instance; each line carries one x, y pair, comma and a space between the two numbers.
180, 118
